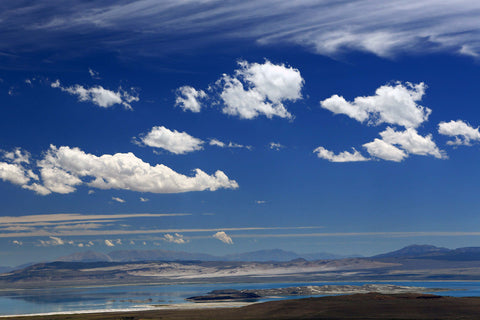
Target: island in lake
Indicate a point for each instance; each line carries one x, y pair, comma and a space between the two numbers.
255, 294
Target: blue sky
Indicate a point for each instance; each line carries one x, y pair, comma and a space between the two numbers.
224, 126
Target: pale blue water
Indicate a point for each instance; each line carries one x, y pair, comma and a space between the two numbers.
120, 297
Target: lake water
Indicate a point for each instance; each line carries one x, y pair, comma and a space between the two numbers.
70, 300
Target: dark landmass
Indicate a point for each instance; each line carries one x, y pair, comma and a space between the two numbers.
358, 306
434, 253
253, 294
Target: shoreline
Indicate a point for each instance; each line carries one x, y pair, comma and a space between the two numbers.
176, 306
411, 306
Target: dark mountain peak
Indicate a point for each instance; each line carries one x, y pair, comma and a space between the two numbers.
414, 251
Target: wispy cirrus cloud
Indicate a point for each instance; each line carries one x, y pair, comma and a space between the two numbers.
134, 230
221, 144
326, 27
119, 200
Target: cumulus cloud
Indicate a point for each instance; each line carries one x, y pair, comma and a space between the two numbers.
117, 199
142, 199
65, 168
463, 132
100, 96
17, 242
383, 150
222, 236
260, 89
173, 141
13, 173
398, 145
344, 156
13, 168
175, 238
413, 143
392, 104
109, 243
188, 98
54, 241
17, 156
221, 144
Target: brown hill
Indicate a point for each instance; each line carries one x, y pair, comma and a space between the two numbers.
357, 306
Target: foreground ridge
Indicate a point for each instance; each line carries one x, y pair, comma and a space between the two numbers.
407, 306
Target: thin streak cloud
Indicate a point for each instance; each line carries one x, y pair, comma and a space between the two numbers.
130, 232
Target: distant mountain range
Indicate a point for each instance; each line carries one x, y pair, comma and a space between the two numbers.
166, 255
409, 252
418, 252
412, 263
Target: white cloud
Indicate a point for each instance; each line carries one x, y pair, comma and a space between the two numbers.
260, 89
69, 217
54, 241
62, 169
91, 191
17, 156
393, 104
57, 241
13, 169
221, 144
276, 146
80, 245
173, 141
222, 236
463, 132
188, 98
326, 27
109, 243
13, 173
175, 238
118, 199
380, 149
94, 74
217, 143
344, 156
260, 202
412, 142
142, 199
100, 96
17, 242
